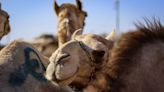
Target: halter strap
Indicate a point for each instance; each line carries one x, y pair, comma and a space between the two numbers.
90, 57
85, 50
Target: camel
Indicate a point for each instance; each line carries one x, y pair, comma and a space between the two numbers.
134, 64
46, 44
4, 24
22, 69
76, 60
70, 18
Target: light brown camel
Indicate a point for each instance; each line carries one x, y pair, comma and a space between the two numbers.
78, 59
4, 23
135, 64
22, 69
46, 44
70, 18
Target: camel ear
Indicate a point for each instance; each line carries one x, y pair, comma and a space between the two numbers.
111, 36
56, 7
98, 55
76, 33
79, 4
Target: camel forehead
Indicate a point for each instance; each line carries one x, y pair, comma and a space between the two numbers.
91, 40
68, 47
71, 45
70, 7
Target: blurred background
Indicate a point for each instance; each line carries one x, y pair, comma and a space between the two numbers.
31, 18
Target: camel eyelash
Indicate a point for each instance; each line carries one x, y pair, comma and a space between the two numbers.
63, 57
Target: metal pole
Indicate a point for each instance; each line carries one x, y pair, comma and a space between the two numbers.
117, 31
0, 5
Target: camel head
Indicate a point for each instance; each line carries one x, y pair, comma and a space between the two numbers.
70, 14
4, 23
70, 18
76, 60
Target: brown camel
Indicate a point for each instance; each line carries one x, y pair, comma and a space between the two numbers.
22, 69
70, 18
78, 59
46, 44
4, 23
135, 63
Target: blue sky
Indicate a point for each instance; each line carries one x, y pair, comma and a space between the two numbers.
30, 18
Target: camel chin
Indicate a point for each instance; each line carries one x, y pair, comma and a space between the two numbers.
67, 81
59, 77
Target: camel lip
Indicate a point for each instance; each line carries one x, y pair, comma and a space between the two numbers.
69, 79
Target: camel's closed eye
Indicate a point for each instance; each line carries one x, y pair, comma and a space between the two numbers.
61, 59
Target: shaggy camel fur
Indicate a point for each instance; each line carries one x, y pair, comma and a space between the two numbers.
135, 64
22, 69
4, 23
70, 18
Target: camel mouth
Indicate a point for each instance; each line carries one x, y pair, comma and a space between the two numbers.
68, 80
